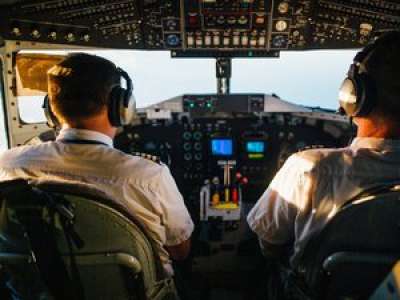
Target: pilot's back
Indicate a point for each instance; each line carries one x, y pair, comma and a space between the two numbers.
144, 187
330, 178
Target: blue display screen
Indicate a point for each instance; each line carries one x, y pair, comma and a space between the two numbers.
222, 147
255, 147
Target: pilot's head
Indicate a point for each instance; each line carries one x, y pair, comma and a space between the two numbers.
85, 90
372, 88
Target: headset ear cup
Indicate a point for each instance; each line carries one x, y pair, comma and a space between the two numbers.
348, 97
128, 110
366, 97
114, 105
121, 107
50, 117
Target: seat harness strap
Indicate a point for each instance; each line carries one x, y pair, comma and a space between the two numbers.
42, 239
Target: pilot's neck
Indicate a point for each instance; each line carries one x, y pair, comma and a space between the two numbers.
377, 128
99, 123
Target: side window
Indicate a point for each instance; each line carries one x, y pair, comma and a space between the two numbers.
31, 70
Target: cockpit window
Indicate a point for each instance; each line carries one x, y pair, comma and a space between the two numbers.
310, 79
156, 77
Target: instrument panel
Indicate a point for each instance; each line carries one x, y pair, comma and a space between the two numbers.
255, 144
226, 27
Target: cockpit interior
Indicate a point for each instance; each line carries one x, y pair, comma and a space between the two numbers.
223, 144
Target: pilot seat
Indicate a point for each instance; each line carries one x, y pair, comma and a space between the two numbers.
59, 241
355, 251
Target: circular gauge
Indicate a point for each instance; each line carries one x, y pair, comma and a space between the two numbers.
198, 146
187, 135
188, 157
187, 146
281, 25
283, 7
173, 40
279, 41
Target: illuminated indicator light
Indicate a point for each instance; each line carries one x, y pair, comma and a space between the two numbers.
226, 41
199, 41
243, 20
209, 105
207, 40
16, 31
256, 156
86, 37
231, 20
36, 33
236, 40
190, 41
53, 35
70, 37
192, 105
260, 20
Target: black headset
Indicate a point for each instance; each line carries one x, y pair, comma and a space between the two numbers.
358, 93
121, 104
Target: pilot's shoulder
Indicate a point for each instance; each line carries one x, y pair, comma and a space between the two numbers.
140, 157
17, 153
140, 165
317, 157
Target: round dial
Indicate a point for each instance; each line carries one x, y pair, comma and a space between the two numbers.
281, 25
283, 7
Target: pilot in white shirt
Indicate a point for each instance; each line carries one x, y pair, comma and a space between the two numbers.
86, 155
145, 188
312, 186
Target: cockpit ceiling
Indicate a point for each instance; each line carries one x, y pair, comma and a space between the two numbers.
199, 27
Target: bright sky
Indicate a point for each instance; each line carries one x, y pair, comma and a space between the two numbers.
308, 78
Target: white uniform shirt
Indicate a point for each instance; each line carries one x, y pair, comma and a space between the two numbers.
145, 188
312, 186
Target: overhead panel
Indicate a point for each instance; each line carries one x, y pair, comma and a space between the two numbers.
221, 26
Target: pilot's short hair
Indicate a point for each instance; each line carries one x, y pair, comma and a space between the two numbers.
80, 85
384, 68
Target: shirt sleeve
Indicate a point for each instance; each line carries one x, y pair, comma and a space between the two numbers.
273, 216
174, 214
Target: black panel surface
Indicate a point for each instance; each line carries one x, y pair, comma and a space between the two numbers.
199, 25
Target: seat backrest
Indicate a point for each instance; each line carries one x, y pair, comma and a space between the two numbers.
115, 249
356, 249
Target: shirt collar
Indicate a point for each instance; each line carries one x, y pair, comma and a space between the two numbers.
376, 143
84, 134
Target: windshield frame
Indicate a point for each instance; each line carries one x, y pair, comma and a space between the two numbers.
3, 109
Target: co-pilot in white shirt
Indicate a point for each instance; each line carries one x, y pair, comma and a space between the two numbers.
145, 188
313, 185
